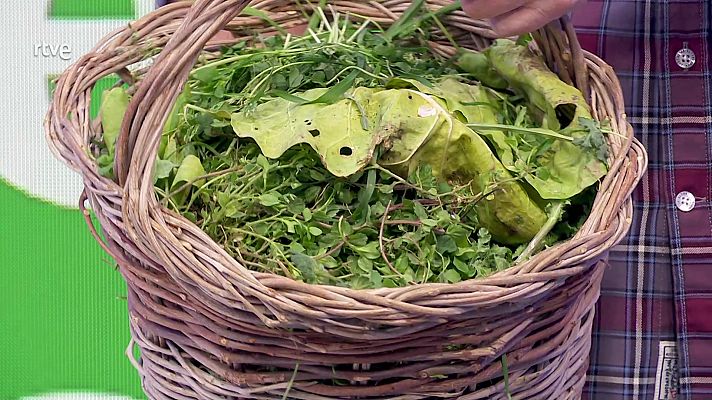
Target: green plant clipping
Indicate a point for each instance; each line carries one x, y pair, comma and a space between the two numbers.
356, 158
114, 103
92, 9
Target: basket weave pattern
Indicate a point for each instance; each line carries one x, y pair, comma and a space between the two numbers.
209, 328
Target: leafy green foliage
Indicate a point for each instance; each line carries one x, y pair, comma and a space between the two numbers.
338, 57
593, 139
424, 200
290, 216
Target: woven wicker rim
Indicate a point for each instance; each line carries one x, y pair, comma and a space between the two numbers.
133, 219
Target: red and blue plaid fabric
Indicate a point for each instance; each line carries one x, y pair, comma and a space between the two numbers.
653, 328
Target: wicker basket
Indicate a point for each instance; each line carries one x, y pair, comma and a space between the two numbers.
208, 328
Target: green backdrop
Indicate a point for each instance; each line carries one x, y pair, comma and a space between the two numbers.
63, 317
65, 325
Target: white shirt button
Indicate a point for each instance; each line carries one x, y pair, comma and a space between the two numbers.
685, 58
685, 201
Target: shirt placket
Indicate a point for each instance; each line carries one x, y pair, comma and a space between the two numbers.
688, 194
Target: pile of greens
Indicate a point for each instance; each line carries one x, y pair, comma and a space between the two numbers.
353, 156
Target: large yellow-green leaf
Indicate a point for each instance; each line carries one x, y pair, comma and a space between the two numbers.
527, 73
566, 168
470, 102
460, 156
345, 134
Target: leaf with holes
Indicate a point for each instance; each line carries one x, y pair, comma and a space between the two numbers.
561, 104
337, 132
562, 168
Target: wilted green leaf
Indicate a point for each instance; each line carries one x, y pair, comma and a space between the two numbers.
452, 276
189, 170
571, 166
163, 169
269, 200
336, 131
114, 103
459, 155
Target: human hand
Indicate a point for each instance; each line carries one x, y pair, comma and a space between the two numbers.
515, 17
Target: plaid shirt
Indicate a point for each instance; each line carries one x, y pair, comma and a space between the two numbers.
653, 329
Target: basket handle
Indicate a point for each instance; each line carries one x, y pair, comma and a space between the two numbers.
562, 51
150, 106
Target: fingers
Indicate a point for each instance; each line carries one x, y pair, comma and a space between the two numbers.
481, 9
514, 17
530, 16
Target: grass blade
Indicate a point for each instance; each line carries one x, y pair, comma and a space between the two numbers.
336, 92
285, 396
404, 21
331, 96
520, 129
288, 96
365, 195
316, 18
448, 8
253, 12
505, 374
557, 211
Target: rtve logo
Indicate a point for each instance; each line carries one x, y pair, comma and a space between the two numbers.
86, 10
41, 38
